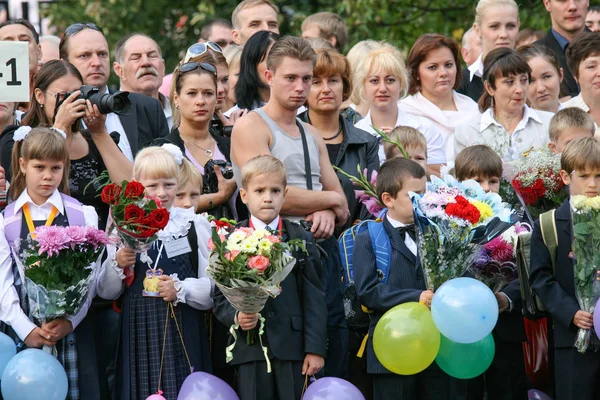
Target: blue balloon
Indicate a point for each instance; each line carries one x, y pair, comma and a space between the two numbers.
8, 349
464, 310
33, 375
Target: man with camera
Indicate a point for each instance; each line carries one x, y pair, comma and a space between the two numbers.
141, 69
84, 46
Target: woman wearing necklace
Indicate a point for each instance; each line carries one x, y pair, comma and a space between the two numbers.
347, 145
194, 100
506, 124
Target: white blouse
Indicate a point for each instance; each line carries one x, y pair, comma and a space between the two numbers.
531, 132
445, 121
197, 292
435, 141
10, 305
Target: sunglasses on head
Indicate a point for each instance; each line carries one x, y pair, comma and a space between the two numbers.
191, 66
78, 27
197, 49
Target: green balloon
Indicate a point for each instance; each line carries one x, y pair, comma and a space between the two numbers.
465, 360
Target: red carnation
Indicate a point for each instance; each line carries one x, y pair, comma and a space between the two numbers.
134, 190
531, 194
464, 210
133, 214
111, 193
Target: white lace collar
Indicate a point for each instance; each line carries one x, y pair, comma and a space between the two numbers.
180, 221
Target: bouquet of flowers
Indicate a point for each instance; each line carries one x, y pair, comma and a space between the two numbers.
536, 180
367, 194
137, 217
59, 264
495, 264
586, 249
453, 220
248, 267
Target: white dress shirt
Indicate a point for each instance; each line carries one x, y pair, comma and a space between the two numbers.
258, 224
113, 124
408, 241
166, 105
578, 102
435, 140
196, 292
531, 132
476, 69
10, 304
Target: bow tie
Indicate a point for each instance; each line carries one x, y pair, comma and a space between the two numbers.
410, 229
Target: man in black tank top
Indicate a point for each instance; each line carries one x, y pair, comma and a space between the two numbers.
289, 72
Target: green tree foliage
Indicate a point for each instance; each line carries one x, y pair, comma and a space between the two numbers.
176, 24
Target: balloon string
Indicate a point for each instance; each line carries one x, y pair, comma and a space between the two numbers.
305, 385
181, 337
162, 356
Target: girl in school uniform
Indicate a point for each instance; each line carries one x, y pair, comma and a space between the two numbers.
40, 185
148, 361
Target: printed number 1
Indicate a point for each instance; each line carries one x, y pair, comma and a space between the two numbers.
12, 63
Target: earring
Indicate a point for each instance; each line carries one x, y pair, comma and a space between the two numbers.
177, 106
41, 106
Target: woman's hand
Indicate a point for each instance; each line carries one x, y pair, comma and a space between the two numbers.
94, 119
70, 111
226, 186
125, 257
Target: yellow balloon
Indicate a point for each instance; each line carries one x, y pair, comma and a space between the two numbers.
406, 340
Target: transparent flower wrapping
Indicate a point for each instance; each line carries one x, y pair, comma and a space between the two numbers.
586, 249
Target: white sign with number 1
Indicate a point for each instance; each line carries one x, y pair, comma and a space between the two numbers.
14, 72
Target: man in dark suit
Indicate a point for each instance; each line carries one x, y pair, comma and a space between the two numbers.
405, 281
84, 46
576, 374
568, 21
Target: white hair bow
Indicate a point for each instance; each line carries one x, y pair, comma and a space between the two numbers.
175, 152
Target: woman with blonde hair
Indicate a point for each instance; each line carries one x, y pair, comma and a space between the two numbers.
383, 81
497, 25
355, 56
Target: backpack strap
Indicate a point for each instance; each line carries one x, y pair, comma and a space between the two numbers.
380, 241
12, 223
73, 210
549, 235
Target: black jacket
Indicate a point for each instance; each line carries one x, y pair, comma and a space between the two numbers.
358, 148
144, 122
472, 88
296, 320
569, 86
556, 290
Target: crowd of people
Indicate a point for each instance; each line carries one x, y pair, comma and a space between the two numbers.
268, 128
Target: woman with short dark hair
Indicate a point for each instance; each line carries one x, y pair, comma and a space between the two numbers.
505, 123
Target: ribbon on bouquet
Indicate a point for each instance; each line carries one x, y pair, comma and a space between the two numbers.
261, 331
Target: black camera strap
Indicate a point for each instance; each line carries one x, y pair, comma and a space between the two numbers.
307, 169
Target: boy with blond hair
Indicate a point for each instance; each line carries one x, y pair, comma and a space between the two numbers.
414, 143
568, 124
296, 320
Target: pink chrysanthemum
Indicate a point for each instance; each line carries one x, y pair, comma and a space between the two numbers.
76, 234
51, 239
96, 237
499, 249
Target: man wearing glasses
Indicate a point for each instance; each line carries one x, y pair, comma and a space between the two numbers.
84, 46
141, 69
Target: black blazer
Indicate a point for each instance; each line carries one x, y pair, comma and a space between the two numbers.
296, 320
405, 283
472, 88
144, 122
358, 148
569, 86
510, 327
557, 291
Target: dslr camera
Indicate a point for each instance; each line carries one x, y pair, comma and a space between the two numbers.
117, 103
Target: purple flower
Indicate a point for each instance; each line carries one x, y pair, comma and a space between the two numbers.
358, 194
372, 206
77, 234
373, 177
96, 237
51, 239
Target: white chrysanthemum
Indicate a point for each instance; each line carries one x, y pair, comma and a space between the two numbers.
236, 237
260, 233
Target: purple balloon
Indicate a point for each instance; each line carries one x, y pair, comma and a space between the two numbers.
534, 394
332, 389
203, 386
597, 319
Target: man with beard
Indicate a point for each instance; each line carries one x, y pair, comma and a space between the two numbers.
141, 68
84, 46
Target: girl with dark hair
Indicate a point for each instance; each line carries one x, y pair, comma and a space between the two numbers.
546, 77
252, 90
55, 102
505, 123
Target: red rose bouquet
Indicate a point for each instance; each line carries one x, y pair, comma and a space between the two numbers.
537, 182
248, 267
136, 217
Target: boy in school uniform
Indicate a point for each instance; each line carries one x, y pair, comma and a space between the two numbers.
577, 376
505, 379
568, 124
405, 282
296, 320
